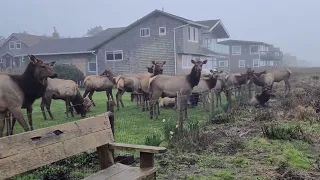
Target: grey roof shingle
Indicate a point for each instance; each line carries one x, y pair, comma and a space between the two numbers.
69, 45
232, 42
29, 39
209, 23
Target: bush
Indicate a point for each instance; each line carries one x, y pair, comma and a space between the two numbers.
69, 72
52, 172
282, 132
154, 140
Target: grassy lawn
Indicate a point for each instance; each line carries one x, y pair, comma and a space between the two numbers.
131, 124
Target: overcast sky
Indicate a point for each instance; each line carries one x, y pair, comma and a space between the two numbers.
292, 25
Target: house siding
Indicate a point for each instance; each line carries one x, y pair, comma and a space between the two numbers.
138, 52
5, 47
190, 47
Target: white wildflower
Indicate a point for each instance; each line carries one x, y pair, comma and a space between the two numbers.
171, 132
163, 120
177, 126
170, 137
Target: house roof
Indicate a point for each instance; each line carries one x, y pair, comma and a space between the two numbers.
209, 23
155, 12
27, 39
235, 42
217, 26
204, 52
68, 45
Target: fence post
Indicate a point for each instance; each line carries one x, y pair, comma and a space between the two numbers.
179, 112
212, 110
110, 112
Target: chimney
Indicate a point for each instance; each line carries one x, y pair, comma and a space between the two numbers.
162, 9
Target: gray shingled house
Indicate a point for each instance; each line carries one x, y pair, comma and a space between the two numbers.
156, 36
15, 44
252, 54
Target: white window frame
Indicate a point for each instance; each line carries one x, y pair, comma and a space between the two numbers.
18, 42
142, 31
238, 53
221, 62
165, 31
254, 52
262, 63
258, 62
193, 34
94, 66
244, 63
14, 45
114, 56
1, 60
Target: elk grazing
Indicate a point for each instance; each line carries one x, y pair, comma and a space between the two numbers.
104, 82
236, 80
282, 74
167, 102
20, 91
168, 86
66, 90
260, 99
206, 83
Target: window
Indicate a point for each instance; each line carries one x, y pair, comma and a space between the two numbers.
262, 63
1, 60
114, 55
271, 63
92, 67
242, 63
222, 64
193, 34
256, 63
11, 45
207, 42
18, 44
162, 31
254, 49
144, 32
236, 50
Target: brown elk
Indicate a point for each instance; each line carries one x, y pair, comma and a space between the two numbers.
20, 91
260, 99
168, 86
236, 80
103, 82
145, 78
220, 86
167, 102
265, 80
206, 83
66, 90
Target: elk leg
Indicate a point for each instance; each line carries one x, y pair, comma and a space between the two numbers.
43, 103
86, 92
70, 107
121, 98
90, 97
29, 114
287, 85
132, 97
48, 107
67, 109
17, 113
118, 98
2, 122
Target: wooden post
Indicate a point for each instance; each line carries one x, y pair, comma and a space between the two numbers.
110, 111
179, 112
212, 110
105, 156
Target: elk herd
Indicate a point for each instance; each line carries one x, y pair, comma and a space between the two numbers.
39, 80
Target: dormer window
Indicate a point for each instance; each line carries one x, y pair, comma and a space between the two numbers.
193, 34
162, 31
144, 32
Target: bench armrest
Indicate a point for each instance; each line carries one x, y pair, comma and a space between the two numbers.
139, 148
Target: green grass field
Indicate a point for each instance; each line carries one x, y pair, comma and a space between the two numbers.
131, 124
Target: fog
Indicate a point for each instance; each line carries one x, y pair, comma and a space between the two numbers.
291, 25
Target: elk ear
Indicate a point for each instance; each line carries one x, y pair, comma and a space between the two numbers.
164, 62
153, 62
205, 62
192, 61
52, 63
32, 59
211, 71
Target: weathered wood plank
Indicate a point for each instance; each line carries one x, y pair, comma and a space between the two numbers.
146, 160
35, 158
120, 172
19, 143
140, 148
105, 156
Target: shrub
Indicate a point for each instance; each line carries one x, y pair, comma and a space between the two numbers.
69, 72
170, 128
53, 172
282, 132
154, 140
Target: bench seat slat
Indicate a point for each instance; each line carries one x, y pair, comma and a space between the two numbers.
119, 172
140, 148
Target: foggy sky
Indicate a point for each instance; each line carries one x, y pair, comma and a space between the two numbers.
291, 25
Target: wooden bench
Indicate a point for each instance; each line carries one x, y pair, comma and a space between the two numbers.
30, 150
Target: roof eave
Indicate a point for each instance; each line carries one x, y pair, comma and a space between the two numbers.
61, 53
220, 22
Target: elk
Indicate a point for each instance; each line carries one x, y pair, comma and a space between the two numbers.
20, 91
282, 74
206, 83
260, 99
104, 82
145, 80
220, 86
168, 86
167, 102
66, 90
236, 80
265, 80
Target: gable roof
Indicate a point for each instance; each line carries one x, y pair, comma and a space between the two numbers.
68, 45
217, 25
155, 12
209, 23
234, 42
27, 39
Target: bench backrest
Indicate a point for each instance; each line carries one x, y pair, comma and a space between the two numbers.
30, 150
